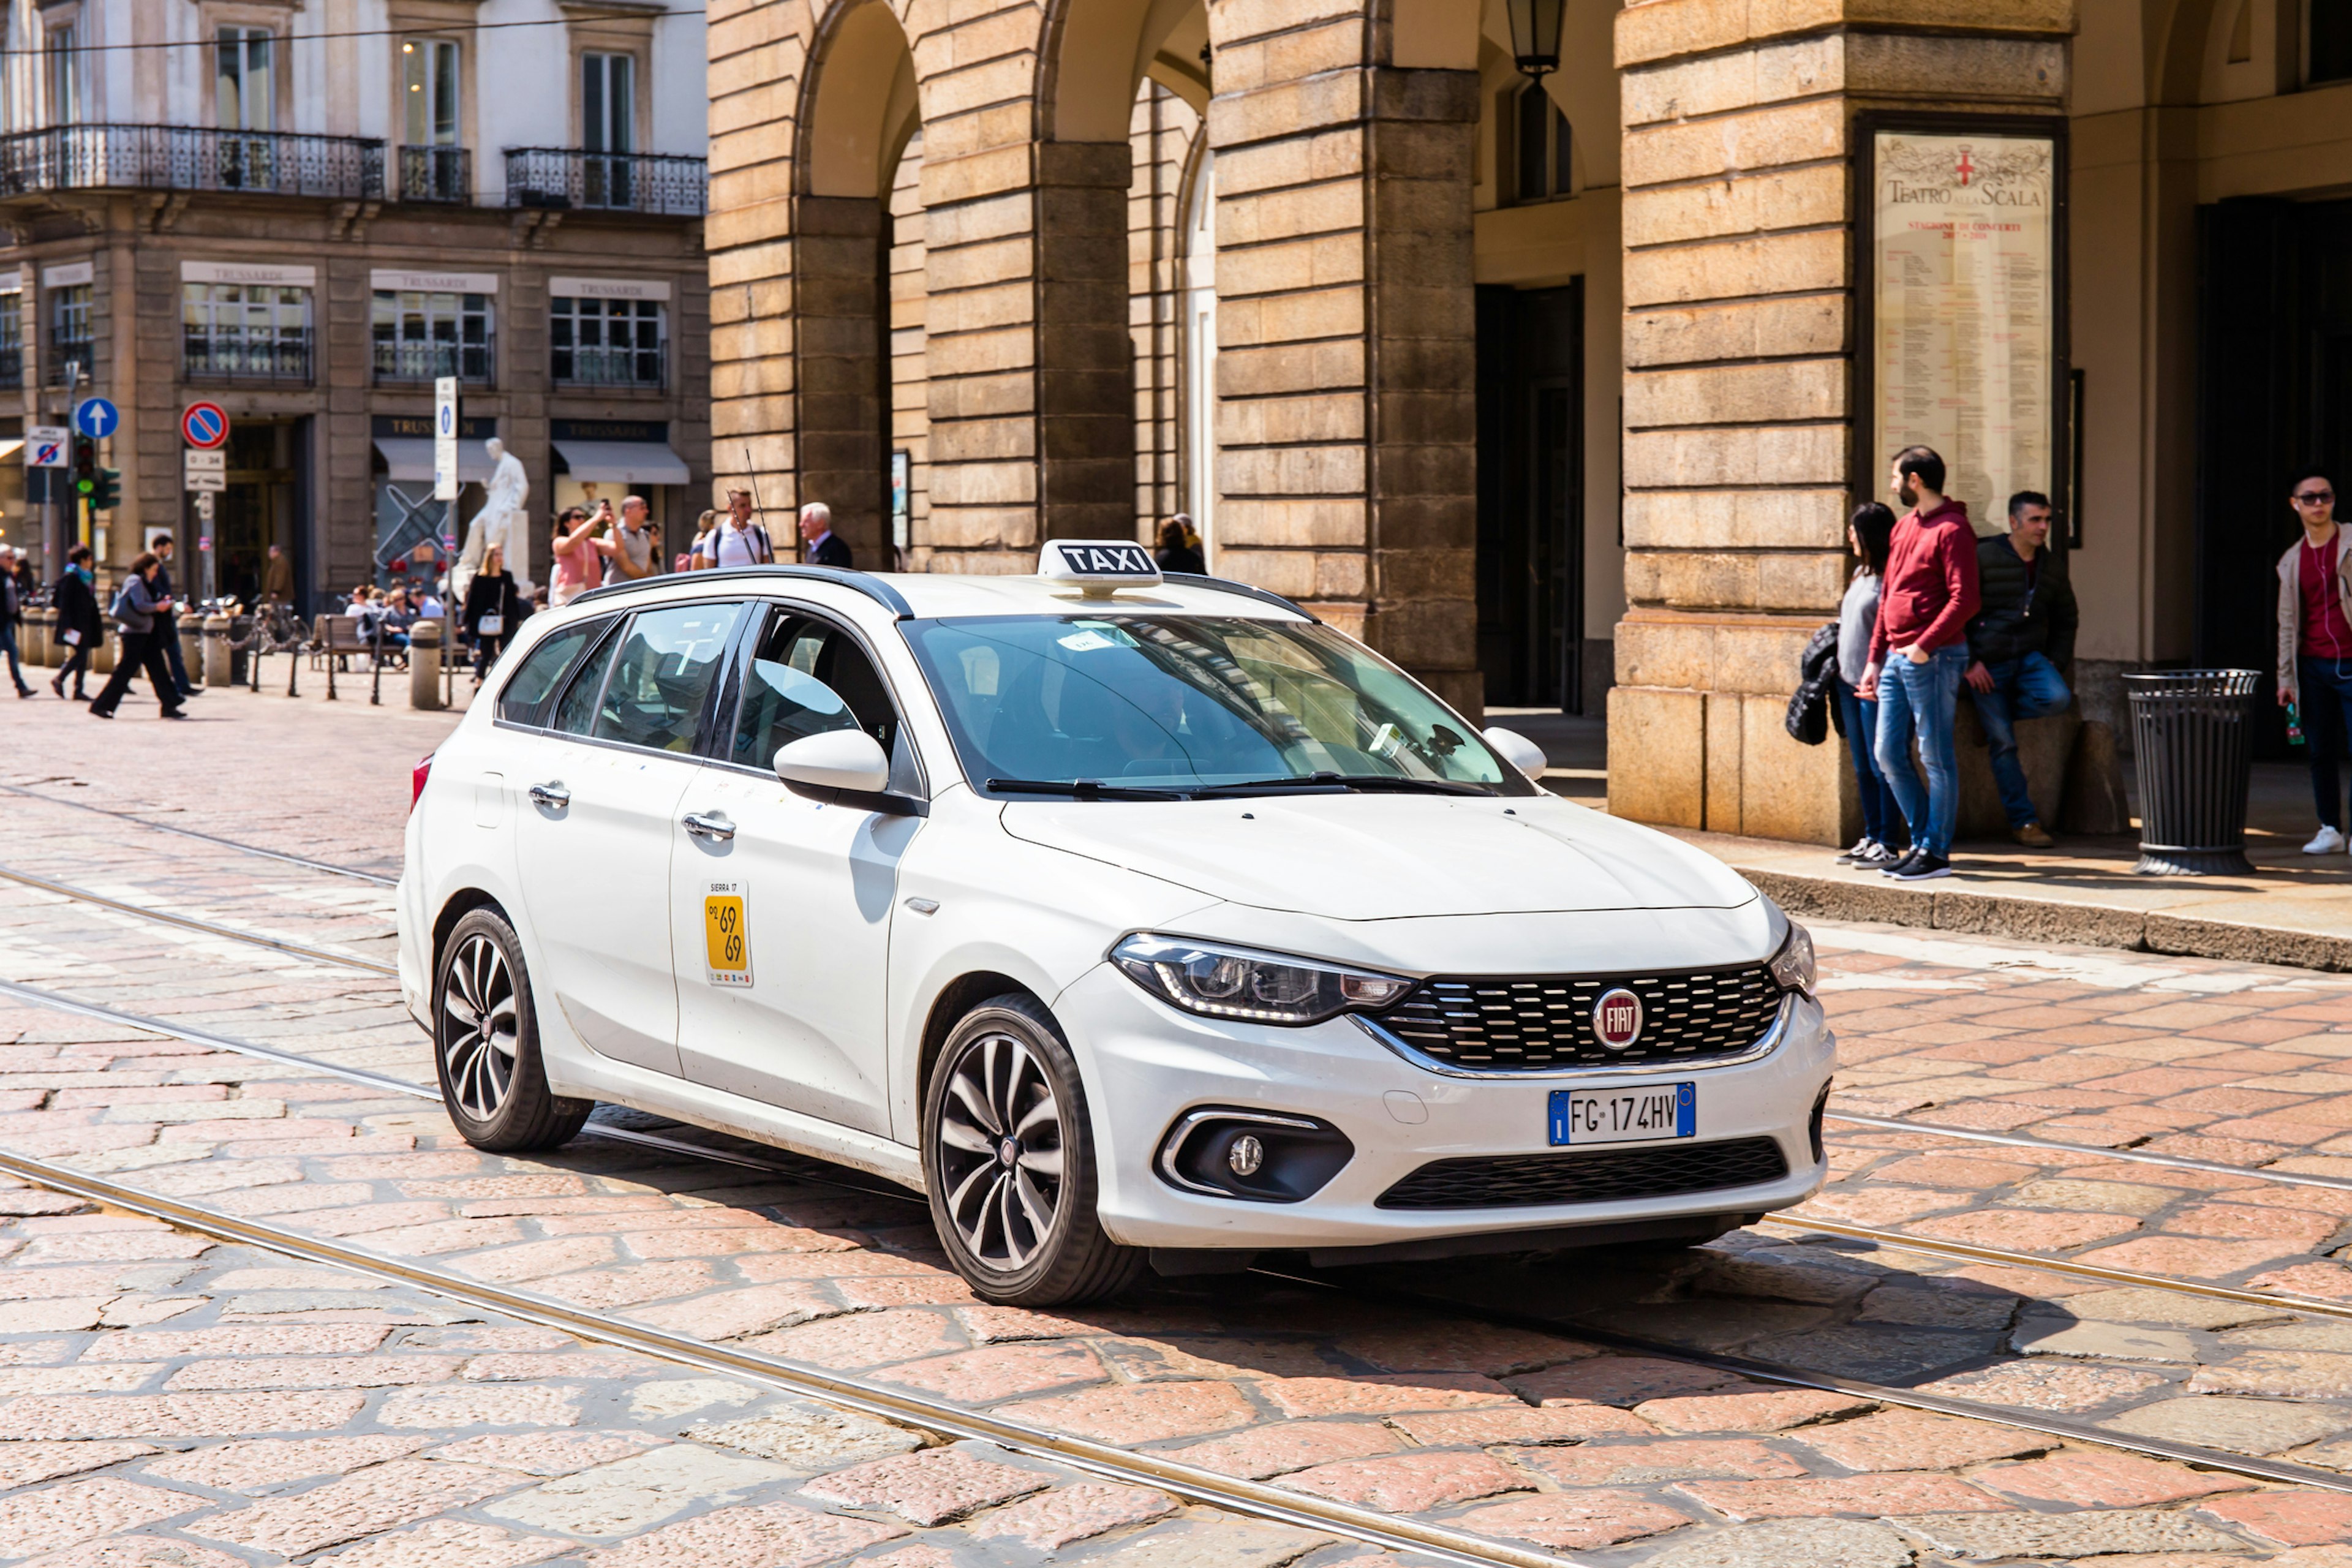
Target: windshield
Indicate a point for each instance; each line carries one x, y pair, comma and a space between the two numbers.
1171, 703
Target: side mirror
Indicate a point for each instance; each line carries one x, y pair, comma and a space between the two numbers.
837, 759
1517, 749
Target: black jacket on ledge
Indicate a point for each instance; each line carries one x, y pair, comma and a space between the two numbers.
2024, 609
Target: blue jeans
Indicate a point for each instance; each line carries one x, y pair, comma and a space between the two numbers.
2027, 687
1879, 812
2324, 704
1920, 699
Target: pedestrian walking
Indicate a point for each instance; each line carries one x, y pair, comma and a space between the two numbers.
820, 546
12, 617
573, 549
493, 610
167, 627
2314, 645
1179, 547
702, 527
2021, 637
1918, 653
74, 598
628, 549
737, 541
139, 611
1883, 836
277, 576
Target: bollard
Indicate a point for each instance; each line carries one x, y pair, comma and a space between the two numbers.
191, 630
425, 665
217, 666
102, 657
48, 652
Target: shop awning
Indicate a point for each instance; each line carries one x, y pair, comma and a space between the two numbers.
623, 462
411, 457
8, 449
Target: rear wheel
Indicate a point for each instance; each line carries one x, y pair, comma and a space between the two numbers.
486, 1044
1009, 1160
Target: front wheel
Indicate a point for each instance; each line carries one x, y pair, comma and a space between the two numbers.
486, 1044
1008, 1157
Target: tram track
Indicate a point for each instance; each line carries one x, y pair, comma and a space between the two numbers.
189, 922
279, 854
228, 1228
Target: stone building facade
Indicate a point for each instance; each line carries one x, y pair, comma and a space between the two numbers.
1554, 391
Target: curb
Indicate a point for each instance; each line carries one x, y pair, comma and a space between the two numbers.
2050, 920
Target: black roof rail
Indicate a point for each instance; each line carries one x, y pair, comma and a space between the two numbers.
881, 593
1226, 586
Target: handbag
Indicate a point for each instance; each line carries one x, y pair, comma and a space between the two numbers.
490, 626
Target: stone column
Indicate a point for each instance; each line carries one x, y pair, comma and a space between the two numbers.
1741, 435
837, 285
1347, 353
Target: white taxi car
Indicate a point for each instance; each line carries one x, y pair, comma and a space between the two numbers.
1134, 922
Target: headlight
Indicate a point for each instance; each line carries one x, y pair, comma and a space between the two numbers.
1792, 966
1237, 982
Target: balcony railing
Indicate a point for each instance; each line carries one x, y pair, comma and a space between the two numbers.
607, 182
190, 158
64, 351
265, 354
428, 360
606, 367
437, 174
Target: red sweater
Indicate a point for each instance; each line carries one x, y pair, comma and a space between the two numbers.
1931, 582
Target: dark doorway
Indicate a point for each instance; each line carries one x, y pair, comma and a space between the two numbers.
1531, 497
2274, 391
263, 505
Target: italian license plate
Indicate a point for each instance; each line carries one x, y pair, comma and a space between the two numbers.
1624, 1115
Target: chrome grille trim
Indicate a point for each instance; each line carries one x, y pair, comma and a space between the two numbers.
1764, 1046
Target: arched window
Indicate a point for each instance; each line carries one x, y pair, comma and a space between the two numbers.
1541, 137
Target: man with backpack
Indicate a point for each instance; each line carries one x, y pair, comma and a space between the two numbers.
737, 541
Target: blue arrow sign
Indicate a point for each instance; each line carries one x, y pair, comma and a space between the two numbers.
96, 417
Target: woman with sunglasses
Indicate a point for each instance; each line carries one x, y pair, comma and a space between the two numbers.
2314, 647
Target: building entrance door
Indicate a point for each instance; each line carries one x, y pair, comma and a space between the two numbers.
2275, 327
263, 505
1530, 497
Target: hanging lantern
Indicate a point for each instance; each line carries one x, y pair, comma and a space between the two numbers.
1535, 34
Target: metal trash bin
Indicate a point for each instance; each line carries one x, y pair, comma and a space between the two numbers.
2193, 730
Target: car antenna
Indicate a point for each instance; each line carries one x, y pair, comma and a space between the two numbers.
752, 478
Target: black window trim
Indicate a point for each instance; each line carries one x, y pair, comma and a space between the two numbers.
917, 804
620, 625
538, 723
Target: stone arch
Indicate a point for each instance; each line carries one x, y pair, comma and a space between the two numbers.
2179, 71
1099, 52
859, 108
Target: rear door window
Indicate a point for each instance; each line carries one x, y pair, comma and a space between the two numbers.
524, 696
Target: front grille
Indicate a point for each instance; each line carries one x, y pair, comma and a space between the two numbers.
1614, 1175
1537, 1022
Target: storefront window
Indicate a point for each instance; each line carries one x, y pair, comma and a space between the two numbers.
244, 330
420, 336
607, 342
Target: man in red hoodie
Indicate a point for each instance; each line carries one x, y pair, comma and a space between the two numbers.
1918, 652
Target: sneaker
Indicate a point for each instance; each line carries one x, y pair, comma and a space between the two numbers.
1895, 867
1882, 857
2033, 836
2327, 841
1921, 867
1862, 852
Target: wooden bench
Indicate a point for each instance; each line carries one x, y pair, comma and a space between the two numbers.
339, 638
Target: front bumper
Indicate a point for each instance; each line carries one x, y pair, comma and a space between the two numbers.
1146, 1063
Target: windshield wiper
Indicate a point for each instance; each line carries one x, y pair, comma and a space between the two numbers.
1082, 789
1396, 783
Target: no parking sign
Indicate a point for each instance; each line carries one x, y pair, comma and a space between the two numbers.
206, 424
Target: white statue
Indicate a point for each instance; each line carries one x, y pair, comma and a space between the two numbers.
499, 524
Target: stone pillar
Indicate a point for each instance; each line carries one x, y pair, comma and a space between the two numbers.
1347, 349
1741, 457
837, 289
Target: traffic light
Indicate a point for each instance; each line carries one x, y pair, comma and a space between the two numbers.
85, 466
106, 493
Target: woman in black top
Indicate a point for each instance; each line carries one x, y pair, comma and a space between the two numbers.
493, 610
76, 606
1179, 547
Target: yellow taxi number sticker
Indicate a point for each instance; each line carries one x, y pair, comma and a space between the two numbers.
726, 937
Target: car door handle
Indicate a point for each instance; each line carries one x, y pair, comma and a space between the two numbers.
702, 826
551, 795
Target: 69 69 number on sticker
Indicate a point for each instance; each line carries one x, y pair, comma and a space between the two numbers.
725, 936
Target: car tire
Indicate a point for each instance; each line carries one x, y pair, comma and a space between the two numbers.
486, 1044
1007, 1143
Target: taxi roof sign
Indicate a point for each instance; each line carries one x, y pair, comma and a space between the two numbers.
1098, 567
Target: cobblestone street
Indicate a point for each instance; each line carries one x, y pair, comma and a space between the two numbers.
2072, 1295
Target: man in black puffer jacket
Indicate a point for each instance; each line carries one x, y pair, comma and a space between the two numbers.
2021, 635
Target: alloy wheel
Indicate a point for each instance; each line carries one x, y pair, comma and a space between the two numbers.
1000, 1150
481, 1027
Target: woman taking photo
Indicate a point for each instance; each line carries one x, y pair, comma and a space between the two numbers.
493, 610
577, 568
1868, 535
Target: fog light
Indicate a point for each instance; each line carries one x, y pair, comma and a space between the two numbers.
1257, 1155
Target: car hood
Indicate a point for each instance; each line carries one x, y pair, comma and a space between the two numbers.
1390, 856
